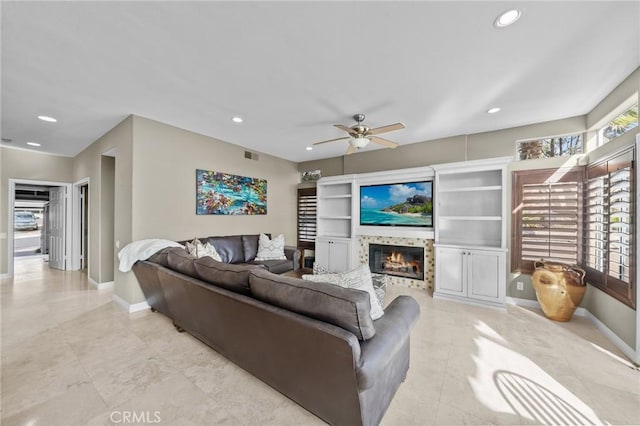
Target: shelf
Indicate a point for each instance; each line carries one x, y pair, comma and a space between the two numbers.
496, 218
334, 217
475, 245
329, 197
473, 189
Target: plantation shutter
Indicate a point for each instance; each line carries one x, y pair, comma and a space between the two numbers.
547, 217
307, 209
608, 232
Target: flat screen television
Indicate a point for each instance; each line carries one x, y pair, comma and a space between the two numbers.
397, 204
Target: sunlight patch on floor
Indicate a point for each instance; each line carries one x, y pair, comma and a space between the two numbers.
508, 382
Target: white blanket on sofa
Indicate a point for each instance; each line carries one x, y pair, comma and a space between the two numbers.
141, 250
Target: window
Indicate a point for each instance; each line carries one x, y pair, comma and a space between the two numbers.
550, 147
609, 229
619, 125
307, 207
547, 216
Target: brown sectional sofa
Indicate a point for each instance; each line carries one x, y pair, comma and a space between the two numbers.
240, 249
313, 342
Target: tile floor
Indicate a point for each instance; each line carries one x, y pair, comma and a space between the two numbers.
72, 357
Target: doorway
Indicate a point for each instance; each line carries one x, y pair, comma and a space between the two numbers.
49, 205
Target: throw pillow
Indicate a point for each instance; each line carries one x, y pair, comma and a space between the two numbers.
359, 279
380, 286
319, 269
270, 249
197, 249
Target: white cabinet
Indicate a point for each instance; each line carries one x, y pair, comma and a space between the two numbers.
335, 224
470, 231
334, 253
471, 275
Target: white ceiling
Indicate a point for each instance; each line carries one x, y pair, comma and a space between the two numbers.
292, 69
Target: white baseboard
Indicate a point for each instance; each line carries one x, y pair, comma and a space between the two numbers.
5, 275
100, 286
582, 312
618, 342
131, 308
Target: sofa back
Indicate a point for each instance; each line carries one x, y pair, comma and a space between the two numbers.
233, 248
310, 361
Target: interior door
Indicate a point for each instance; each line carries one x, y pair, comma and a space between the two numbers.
57, 215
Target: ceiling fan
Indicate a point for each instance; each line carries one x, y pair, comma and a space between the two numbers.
360, 135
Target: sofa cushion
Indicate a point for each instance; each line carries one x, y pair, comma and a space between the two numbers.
250, 246
343, 307
225, 275
160, 257
275, 266
229, 248
181, 261
359, 279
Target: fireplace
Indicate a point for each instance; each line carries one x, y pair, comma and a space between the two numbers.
401, 261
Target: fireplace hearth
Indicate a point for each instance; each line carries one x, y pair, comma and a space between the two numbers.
401, 261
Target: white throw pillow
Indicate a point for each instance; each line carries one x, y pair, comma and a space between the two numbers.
359, 279
197, 249
270, 249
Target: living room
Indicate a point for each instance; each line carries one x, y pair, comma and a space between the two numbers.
141, 170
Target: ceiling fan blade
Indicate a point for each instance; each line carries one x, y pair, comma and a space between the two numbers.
351, 149
384, 142
332, 140
384, 129
343, 127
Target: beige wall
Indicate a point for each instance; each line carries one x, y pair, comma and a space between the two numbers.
165, 159
88, 164
107, 217
22, 164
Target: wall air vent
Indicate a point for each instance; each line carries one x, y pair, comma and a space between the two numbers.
251, 155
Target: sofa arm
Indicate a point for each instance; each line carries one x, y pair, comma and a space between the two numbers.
293, 254
392, 333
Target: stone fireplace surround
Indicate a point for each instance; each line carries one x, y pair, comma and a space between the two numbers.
363, 257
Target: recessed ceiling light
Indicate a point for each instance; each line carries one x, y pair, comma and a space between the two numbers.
237, 119
493, 110
507, 18
33, 143
309, 148
47, 118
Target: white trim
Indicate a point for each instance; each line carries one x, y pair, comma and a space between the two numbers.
100, 286
131, 308
618, 342
5, 276
75, 231
10, 206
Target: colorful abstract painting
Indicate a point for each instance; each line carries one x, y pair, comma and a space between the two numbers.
222, 193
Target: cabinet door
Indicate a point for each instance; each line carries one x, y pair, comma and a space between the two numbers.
322, 252
450, 271
339, 255
485, 275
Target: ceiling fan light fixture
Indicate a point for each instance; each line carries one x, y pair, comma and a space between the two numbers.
359, 141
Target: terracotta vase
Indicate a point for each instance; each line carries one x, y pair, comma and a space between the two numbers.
559, 288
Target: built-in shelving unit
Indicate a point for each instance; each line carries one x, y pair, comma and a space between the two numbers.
335, 222
470, 231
